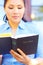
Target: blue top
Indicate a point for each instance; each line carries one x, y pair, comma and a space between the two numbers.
23, 28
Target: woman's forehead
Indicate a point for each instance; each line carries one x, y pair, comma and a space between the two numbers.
15, 1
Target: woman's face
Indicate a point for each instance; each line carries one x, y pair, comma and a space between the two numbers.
14, 10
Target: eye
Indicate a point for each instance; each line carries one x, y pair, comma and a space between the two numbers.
20, 7
10, 7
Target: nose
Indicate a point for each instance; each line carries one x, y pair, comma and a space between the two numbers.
15, 10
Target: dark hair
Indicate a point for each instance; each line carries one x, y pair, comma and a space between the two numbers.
5, 2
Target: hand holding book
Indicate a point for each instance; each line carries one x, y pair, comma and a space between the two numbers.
23, 58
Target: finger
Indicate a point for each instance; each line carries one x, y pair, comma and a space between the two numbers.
16, 55
21, 52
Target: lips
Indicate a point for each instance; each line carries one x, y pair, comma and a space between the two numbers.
15, 17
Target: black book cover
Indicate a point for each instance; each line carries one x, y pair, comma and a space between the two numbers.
28, 44
5, 45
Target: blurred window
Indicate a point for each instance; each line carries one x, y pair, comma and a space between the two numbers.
37, 10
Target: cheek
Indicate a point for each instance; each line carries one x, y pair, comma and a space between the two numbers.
8, 14
22, 13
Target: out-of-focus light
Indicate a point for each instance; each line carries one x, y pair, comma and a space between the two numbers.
32, 16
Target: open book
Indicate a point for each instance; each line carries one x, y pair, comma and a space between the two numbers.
27, 43
5, 43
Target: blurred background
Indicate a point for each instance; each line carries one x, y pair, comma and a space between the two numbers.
34, 8
37, 10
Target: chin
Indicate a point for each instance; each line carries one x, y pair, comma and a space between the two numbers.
16, 22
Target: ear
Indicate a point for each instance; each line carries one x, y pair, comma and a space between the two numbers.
0, 59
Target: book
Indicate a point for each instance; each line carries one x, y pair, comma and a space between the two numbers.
27, 43
5, 43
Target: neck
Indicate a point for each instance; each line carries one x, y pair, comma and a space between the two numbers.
13, 25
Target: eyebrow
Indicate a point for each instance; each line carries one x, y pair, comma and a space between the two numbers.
14, 5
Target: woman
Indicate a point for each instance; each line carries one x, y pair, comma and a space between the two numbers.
14, 11
13, 24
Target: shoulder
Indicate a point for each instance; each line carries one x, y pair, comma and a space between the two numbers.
4, 27
1, 22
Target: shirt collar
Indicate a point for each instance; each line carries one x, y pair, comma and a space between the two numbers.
21, 25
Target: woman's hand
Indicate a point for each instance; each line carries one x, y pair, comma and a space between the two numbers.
23, 58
